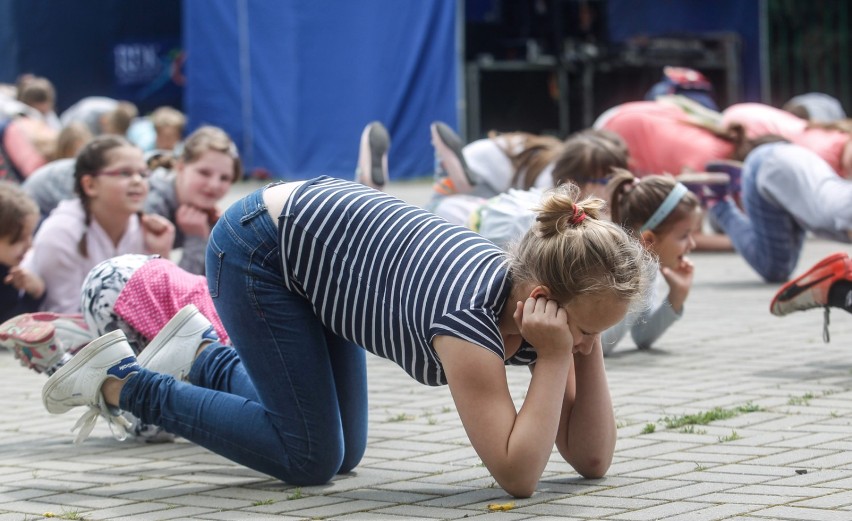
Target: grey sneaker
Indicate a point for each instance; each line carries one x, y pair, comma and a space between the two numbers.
78, 383
183, 335
452, 176
373, 156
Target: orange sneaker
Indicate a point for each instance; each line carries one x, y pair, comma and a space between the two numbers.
810, 290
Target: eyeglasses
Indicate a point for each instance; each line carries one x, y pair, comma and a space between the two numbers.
580, 181
125, 173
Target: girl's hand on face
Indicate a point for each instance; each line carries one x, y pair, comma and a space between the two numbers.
679, 281
193, 221
159, 234
544, 324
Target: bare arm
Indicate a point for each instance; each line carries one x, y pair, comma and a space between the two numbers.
587, 431
514, 445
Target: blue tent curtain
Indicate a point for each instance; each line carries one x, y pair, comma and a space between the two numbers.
295, 82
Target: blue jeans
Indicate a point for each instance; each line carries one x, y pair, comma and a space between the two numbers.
765, 235
290, 399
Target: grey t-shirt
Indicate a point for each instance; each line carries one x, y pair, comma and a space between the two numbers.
162, 200
50, 184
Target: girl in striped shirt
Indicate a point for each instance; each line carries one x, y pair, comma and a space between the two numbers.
308, 276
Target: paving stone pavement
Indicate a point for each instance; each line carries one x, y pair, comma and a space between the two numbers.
784, 452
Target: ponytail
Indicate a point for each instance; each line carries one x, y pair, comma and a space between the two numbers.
574, 252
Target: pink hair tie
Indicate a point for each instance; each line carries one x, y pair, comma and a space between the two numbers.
577, 216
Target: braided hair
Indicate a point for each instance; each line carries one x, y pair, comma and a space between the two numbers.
91, 159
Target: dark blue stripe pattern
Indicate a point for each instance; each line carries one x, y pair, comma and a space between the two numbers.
389, 276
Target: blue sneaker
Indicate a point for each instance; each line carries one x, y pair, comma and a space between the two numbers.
734, 169
709, 187
183, 334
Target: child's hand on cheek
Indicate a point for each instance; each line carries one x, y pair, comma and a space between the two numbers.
679, 281
193, 221
544, 324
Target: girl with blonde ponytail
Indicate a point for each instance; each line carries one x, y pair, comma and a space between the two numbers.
308, 276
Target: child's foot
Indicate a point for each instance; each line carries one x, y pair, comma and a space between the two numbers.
372, 167
184, 334
41, 340
452, 174
734, 169
816, 288
708, 186
78, 383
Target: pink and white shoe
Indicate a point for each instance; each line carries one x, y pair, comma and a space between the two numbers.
41, 340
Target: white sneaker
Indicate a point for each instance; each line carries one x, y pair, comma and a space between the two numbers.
372, 167
183, 335
78, 383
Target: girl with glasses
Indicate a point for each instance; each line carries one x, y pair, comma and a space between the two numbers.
185, 189
104, 220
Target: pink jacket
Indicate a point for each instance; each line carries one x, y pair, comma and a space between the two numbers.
157, 291
760, 119
661, 139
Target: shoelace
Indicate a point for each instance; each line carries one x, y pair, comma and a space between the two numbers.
118, 424
825, 321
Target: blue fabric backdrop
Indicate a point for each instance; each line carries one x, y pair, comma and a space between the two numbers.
295, 82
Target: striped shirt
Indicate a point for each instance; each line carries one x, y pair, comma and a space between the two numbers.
391, 277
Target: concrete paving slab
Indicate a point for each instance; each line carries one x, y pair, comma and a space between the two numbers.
789, 458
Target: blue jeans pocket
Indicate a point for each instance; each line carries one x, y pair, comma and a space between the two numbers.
215, 258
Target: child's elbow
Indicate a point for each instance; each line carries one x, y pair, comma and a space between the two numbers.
520, 490
518, 484
592, 468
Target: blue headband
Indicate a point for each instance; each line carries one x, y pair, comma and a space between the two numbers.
666, 208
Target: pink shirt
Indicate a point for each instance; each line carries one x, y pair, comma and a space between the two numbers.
661, 139
18, 141
760, 119
157, 291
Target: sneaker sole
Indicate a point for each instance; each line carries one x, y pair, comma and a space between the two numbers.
375, 143
831, 259
80, 359
704, 178
449, 148
25, 330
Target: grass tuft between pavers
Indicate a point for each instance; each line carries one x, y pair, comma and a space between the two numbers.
703, 418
